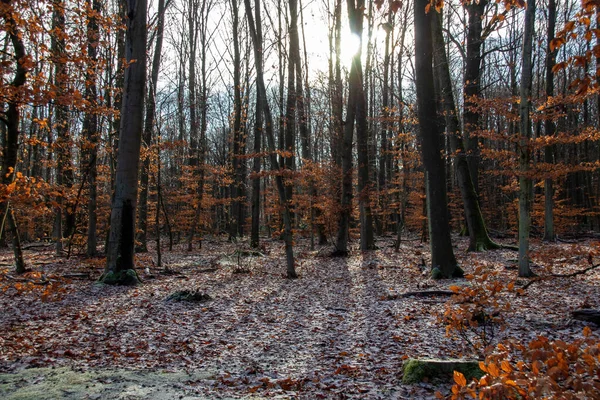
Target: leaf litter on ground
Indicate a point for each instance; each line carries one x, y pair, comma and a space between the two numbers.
343, 329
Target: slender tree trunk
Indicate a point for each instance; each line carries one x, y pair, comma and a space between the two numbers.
258, 128
236, 140
149, 123
62, 146
525, 182
120, 252
260, 86
90, 125
478, 236
12, 119
549, 125
442, 254
193, 108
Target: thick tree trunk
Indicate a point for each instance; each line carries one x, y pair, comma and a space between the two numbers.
357, 99
120, 252
478, 236
442, 254
525, 183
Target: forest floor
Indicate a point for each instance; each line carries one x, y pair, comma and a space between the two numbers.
342, 330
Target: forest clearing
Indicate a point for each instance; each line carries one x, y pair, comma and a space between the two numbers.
299, 199
343, 329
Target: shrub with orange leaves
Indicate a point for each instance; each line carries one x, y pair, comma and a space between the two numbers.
541, 369
474, 314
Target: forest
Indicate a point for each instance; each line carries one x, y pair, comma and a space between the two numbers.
299, 199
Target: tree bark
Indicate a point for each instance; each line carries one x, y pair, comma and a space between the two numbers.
525, 183
149, 124
549, 126
258, 128
478, 236
260, 86
472, 85
120, 252
442, 254
90, 125
11, 119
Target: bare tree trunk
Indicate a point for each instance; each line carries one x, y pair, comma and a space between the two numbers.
120, 261
358, 101
472, 85
442, 254
525, 183
260, 86
62, 146
149, 124
478, 235
258, 128
90, 125
549, 127
12, 119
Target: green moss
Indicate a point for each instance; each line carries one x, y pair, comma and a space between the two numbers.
417, 370
436, 273
127, 277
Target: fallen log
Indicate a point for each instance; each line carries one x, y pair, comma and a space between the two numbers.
587, 315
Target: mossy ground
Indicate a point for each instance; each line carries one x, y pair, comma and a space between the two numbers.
416, 370
65, 383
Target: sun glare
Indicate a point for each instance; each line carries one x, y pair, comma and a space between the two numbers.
350, 45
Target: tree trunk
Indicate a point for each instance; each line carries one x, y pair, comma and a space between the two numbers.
442, 254
90, 125
525, 183
236, 140
472, 86
549, 127
120, 252
258, 127
12, 119
357, 112
149, 123
260, 86
62, 146
478, 236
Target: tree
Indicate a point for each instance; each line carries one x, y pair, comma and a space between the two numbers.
525, 181
258, 128
149, 125
478, 235
236, 221
261, 89
442, 254
90, 123
357, 113
120, 252
11, 120
549, 127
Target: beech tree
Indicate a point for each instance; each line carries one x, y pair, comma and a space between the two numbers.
261, 90
525, 181
11, 118
120, 261
442, 254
